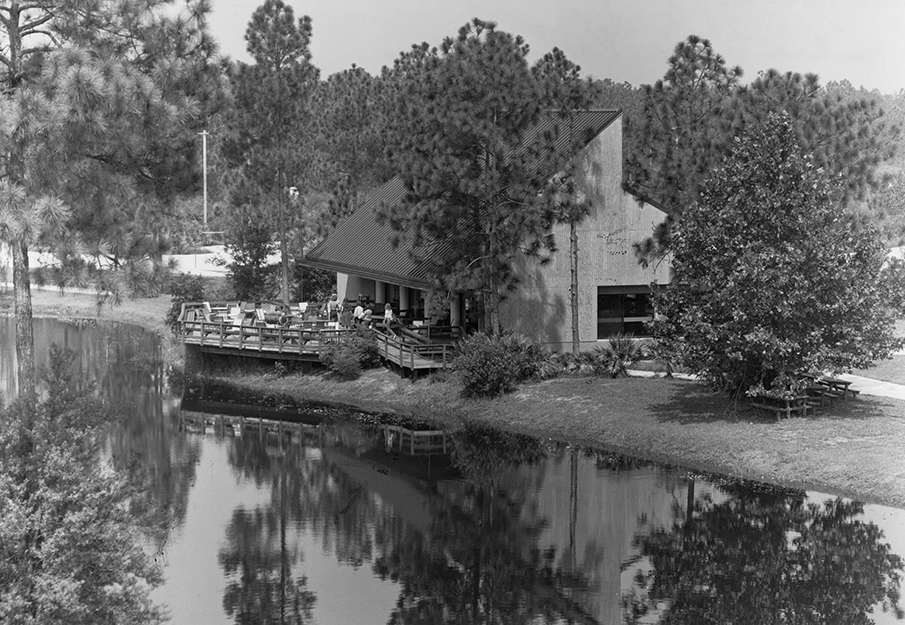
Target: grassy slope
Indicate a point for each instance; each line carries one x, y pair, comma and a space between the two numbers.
857, 448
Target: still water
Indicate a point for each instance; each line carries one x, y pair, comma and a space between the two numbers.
334, 520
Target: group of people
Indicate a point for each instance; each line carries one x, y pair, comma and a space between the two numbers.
361, 315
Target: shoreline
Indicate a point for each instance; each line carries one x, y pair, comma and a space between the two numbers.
855, 449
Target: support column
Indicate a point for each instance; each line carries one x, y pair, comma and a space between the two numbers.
403, 298
380, 291
455, 310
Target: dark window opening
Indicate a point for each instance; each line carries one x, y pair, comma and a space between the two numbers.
623, 312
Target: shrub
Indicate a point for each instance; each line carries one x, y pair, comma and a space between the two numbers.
348, 357
527, 354
485, 366
183, 288
617, 355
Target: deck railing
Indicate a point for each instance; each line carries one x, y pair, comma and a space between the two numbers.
413, 347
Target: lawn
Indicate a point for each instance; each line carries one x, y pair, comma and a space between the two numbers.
886, 370
854, 448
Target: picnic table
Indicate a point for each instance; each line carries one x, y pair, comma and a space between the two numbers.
822, 393
839, 386
780, 406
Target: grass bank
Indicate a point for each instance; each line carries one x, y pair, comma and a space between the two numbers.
856, 448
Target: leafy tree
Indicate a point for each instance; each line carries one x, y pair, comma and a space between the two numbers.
70, 551
886, 208
460, 126
183, 288
768, 279
98, 99
271, 127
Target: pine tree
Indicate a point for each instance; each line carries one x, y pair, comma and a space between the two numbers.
271, 131
350, 114
460, 126
691, 116
99, 99
566, 93
679, 132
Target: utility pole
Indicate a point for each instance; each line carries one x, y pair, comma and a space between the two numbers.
204, 135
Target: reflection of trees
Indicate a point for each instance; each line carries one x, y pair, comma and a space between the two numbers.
159, 461
479, 563
476, 561
261, 561
260, 555
767, 557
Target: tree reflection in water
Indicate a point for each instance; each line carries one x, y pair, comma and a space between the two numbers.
160, 461
480, 562
765, 556
260, 557
471, 551
474, 560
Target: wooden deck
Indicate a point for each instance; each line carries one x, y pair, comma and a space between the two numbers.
396, 439
423, 348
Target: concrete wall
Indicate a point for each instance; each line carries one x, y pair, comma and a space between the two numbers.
540, 306
351, 286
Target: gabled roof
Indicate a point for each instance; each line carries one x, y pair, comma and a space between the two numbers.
359, 245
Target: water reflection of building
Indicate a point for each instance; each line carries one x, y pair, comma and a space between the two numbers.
593, 516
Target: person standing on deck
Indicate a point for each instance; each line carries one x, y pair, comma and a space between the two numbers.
359, 312
390, 320
332, 308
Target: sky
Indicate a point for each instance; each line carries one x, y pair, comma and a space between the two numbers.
862, 41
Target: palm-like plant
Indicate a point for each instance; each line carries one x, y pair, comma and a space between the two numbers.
619, 353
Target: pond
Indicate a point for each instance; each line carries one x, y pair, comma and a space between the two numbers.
332, 517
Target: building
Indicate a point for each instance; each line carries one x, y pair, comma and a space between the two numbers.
613, 288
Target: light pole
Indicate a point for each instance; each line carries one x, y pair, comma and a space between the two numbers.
204, 135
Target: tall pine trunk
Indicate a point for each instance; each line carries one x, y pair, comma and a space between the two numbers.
573, 289
25, 338
284, 244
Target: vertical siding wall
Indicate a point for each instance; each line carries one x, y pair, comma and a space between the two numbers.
540, 306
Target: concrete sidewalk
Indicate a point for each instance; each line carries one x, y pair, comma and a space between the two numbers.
867, 386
